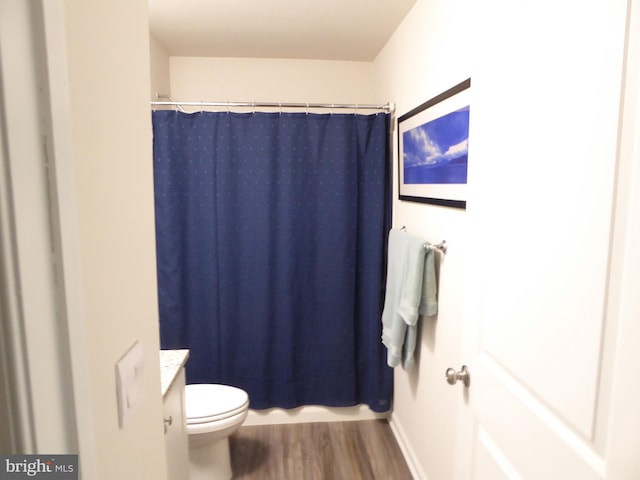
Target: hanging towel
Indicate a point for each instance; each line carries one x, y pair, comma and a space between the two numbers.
429, 299
411, 292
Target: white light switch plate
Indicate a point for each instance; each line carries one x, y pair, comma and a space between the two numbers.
130, 383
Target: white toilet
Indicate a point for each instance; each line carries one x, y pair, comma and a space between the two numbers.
213, 413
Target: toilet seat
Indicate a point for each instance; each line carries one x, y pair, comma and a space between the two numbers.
206, 403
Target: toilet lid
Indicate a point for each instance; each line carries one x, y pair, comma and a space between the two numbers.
209, 403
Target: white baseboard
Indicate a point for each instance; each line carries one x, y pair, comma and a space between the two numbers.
407, 451
309, 414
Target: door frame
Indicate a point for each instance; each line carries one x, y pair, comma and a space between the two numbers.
46, 356
624, 301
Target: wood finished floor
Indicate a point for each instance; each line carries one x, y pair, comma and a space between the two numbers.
355, 450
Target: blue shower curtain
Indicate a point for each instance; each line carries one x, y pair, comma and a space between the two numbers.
271, 242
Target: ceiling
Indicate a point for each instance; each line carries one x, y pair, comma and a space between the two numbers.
354, 30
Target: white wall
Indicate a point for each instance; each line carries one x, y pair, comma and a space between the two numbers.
271, 80
108, 58
428, 54
160, 76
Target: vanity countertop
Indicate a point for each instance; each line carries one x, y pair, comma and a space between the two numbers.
171, 361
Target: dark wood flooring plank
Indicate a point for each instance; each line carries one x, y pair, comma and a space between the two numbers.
295, 451
326, 459
383, 451
354, 462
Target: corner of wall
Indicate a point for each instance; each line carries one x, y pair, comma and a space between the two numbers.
159, 68
108, 51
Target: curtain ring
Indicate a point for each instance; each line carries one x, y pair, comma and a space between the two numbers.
307, 111
254, 106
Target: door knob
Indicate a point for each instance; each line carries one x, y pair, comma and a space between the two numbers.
463, 375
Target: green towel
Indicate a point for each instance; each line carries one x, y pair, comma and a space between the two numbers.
410, 292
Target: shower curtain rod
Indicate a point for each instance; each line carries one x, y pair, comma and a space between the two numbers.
389, 107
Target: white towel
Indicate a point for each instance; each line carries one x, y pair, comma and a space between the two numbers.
411, 292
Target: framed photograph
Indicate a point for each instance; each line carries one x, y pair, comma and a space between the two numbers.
433, 149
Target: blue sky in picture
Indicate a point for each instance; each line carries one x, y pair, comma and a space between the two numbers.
437, 151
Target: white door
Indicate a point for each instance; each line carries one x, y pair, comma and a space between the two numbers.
550, 337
